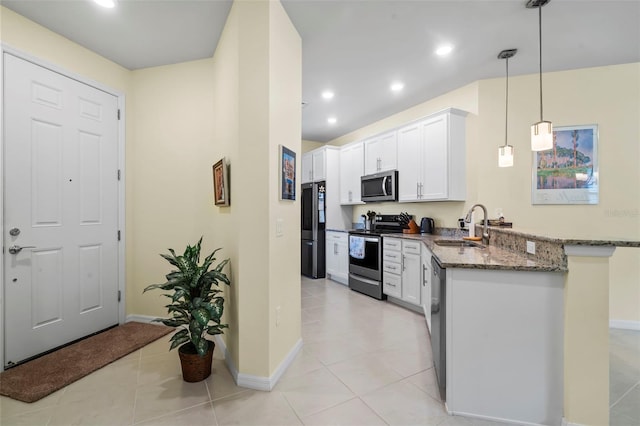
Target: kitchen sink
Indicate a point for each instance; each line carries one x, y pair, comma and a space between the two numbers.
459, 243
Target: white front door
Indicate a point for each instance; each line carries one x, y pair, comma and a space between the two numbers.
61, 209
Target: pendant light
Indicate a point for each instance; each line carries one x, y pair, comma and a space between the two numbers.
542, 131
505, 152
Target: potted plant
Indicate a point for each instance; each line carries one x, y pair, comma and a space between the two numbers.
196, 307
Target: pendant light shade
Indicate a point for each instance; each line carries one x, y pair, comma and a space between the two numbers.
505, 156
505, 152
542, 131
542, 136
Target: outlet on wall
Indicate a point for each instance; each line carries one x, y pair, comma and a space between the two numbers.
531, 247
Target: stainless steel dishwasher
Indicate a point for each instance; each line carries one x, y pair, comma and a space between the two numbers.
438, 325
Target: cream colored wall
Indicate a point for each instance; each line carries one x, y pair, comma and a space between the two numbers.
607, 96
310, 145
171, 161
285, 85
256, 61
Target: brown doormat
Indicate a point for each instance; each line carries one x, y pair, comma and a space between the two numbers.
42, 376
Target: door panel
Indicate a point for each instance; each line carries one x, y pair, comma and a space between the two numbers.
61, 160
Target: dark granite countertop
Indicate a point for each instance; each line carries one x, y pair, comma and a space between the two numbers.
490, 257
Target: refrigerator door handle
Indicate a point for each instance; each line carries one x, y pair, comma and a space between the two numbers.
314, 212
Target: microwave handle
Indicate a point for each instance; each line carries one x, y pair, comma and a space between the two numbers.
384, 185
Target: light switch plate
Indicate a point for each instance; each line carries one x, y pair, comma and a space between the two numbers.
279, 226
531, 247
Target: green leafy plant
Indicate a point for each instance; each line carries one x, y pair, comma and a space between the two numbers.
196, 306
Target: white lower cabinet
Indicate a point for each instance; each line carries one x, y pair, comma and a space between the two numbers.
425, 292
337, 256
411, 272
402, 269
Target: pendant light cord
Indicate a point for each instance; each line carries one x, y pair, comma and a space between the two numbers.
540, 61
506, 102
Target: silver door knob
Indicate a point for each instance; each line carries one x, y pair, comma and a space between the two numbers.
17, 249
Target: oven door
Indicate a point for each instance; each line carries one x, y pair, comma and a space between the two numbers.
365, 256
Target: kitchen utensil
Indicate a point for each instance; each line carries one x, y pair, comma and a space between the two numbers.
427, 225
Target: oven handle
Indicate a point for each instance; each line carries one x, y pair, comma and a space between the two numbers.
364, 280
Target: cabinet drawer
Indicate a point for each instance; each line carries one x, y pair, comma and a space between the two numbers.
391, 244
339, 237
411, 247
391, 256
391, 285
391, 267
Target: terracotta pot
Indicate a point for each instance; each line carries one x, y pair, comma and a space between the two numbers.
195, 368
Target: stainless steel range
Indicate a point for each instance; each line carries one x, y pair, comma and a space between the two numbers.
365, 255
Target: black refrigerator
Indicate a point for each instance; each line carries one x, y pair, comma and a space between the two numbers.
313, 230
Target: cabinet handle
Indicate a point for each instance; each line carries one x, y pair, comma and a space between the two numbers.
350, 196
389, 284
335, 248
403, 262
391, 267
417, 189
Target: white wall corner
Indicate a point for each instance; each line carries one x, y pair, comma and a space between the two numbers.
625, 325
566, 423
589, 251
258, 382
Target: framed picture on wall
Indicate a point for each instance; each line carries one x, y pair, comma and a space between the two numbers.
287, 169
567, 173
221, 183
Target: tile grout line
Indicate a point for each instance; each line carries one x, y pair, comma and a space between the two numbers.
637, 385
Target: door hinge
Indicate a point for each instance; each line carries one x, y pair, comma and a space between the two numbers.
118, 174
118, 235
119, 295
118, 114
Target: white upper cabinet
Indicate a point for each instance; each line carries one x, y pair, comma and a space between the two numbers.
381, 153
431, 158
314, 165
351, 169
307, 168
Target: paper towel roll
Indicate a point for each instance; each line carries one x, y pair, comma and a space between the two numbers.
472, 225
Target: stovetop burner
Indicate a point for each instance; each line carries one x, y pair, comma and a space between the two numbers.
384, 224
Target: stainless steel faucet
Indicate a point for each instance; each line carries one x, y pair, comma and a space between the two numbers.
485, 229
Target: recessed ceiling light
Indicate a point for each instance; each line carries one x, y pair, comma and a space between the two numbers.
328, 94
331, 120
444, 50
397, 86
106, 3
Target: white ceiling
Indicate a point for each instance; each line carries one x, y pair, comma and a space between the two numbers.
357, 48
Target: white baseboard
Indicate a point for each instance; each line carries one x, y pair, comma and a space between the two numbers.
140, 318
625, 325
258, 382
566, 423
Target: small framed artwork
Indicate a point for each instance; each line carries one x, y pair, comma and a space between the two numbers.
567, 173
221, 183
287, 173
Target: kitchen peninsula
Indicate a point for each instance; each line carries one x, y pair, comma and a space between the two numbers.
525, 333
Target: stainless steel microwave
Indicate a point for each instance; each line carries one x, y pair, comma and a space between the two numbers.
381, 186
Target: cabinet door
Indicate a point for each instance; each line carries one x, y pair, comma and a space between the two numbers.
425, 293
372, 153
409, 162
307, 168
411, 278
337, 257
388, 151
342, 253
435, 157
351, 169
319, 165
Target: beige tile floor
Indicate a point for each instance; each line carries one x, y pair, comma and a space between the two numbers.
364, 362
